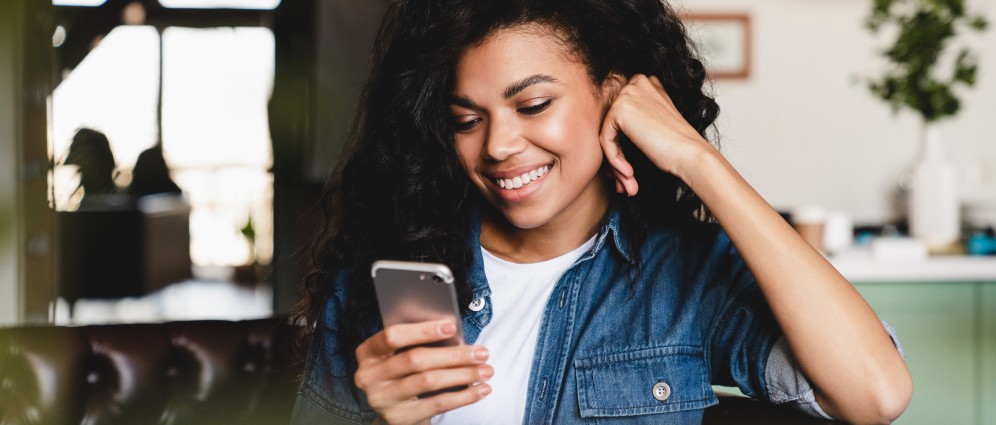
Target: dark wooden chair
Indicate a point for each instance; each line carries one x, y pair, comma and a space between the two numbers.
124, 252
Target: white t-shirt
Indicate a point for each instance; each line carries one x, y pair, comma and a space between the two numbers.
519, 293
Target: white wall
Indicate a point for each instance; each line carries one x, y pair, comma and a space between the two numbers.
9, 294
803, 132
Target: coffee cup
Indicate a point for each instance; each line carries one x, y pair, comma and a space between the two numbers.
810, 222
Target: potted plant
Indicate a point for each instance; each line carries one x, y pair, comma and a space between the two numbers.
925, 70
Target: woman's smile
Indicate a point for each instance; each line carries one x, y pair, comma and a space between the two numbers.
517, 181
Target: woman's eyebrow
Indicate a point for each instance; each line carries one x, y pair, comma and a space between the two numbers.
463, 101
518, 86
512, 90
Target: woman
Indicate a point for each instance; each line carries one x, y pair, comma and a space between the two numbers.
614, 265
91, 152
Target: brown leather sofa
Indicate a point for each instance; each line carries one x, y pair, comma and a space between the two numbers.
198, 372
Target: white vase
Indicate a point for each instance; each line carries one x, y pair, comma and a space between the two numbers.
933, 198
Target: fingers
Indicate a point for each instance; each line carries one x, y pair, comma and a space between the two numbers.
627, 185
621, 168
442, 379
394, 338
610, 145
395, 369
423, 359
414, 411
385, 395
659, 86
656, 82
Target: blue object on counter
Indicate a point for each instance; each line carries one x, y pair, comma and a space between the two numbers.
981, 244
864, 238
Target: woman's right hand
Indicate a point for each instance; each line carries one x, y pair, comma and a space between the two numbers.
394, 371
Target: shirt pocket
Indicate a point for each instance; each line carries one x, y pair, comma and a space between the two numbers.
642, 382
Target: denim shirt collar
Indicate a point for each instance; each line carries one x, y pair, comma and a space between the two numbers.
613, 225
475, 321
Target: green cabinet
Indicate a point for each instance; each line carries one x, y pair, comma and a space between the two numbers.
948, 333
988, 358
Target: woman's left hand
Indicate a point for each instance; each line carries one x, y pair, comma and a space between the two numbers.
643, 111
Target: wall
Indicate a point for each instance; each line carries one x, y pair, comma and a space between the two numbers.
803, 132
9, 295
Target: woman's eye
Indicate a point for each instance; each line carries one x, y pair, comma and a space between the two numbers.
461, 124
535, 109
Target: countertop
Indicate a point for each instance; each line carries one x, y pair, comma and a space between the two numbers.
858, 266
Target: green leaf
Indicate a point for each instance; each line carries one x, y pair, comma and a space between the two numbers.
966, 68
979, 23
925, 29
248, 231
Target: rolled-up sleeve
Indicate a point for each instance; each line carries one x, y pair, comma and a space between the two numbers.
787, 385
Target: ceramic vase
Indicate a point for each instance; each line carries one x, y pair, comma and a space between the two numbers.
933, 197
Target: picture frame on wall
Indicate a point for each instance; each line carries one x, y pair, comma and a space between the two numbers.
724, 43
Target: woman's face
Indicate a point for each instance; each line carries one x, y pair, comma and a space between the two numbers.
526, 119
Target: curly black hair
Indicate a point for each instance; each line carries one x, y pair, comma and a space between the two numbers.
401, 193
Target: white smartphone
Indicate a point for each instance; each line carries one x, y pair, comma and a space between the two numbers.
409, 292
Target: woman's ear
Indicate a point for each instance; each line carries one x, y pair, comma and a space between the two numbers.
611, 87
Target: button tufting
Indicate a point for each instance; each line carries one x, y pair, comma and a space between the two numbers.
662, 391
477, 305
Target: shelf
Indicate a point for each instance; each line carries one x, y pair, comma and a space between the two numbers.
860, 266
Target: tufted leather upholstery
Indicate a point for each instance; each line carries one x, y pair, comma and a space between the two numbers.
201, 372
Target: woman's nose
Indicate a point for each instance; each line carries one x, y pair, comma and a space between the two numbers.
504, 140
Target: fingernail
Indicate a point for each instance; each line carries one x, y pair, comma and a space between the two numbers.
481, 354
484, 389
447, 329
485, 372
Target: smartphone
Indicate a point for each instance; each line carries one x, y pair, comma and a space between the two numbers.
410, 292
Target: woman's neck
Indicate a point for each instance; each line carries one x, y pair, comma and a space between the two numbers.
569, 230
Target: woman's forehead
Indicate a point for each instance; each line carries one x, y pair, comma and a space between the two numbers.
514, 53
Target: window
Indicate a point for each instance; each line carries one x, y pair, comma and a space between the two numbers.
78, 2
228, 4
215, 131
216, 85
114, 90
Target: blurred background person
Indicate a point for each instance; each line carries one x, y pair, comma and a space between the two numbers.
151, 175
90, 152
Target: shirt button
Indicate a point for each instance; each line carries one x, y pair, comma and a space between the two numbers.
477, 305
662, 391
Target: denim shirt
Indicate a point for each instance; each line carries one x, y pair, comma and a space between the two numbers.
615, 345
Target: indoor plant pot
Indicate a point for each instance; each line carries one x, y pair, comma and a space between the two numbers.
914, 81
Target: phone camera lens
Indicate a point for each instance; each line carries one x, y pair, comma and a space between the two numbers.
437, 279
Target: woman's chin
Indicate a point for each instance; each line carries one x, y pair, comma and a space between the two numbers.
524, 220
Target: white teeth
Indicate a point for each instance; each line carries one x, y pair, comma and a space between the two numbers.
524, 179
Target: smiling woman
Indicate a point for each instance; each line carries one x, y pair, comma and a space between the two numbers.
611, 262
